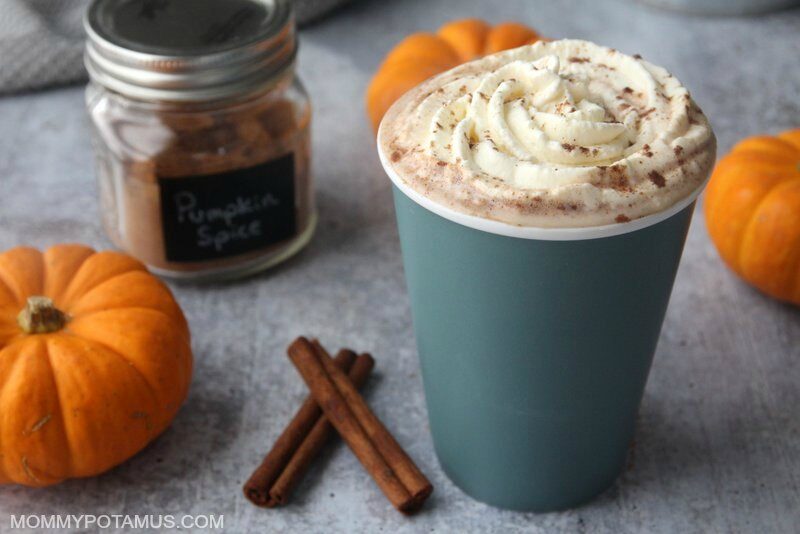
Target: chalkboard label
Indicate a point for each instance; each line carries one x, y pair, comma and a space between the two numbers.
215, 216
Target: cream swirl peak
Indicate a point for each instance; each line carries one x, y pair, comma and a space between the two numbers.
563, 133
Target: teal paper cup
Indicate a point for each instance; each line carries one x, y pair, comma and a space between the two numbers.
535, 344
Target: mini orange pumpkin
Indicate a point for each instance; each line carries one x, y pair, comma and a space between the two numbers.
422, 55
752, 209
95, 361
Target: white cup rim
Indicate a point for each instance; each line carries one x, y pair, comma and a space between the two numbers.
534, 232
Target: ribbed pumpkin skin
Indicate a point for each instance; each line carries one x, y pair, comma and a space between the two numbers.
422, 55
752, 209
76, 402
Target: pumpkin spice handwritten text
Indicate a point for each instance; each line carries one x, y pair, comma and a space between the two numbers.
220, 225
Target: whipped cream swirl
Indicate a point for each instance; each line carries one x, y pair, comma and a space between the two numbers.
565, 133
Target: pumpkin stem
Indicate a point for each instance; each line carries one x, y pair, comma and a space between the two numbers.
40, 316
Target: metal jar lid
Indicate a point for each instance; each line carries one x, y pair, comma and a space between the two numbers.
188, 50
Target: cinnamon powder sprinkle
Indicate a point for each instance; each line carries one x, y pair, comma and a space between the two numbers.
568, 147
678, 150
575, 59
441, 163
627, 90
657, 178
622, 218
618, 177
396, 156
646, 113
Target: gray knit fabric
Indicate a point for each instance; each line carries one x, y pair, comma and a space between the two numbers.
41, 41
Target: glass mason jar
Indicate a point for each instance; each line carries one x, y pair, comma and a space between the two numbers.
201, 133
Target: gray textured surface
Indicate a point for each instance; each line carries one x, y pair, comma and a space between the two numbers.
718, 444
40, 43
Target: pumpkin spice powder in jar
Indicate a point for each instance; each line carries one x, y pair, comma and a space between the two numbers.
201, 133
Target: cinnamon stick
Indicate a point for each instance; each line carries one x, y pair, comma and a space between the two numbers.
257, 488
380, 454
316, 439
